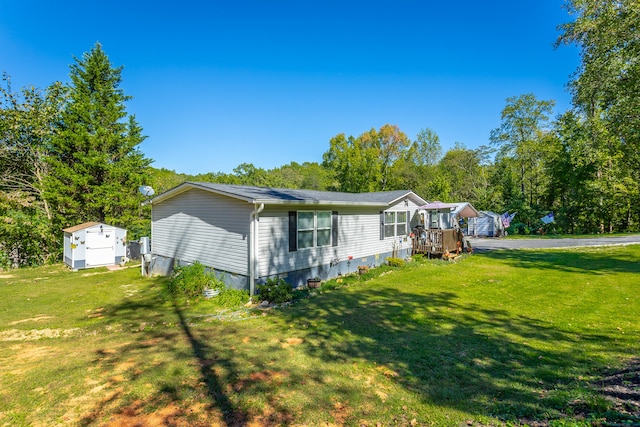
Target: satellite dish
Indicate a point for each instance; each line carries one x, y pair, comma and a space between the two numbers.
146, 191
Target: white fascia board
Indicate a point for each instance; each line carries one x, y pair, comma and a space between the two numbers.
410, 195
186, 186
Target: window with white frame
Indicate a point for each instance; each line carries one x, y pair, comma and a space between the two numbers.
395, 223
314, 229
401, 223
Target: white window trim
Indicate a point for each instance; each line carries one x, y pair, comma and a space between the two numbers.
315, 229
395, 223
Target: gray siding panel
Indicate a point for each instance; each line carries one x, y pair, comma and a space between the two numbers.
198, 225
358, 237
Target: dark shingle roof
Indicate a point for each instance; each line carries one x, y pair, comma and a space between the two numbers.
292, 196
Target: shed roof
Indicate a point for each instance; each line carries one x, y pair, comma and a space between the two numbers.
85, 225
80, 227
489, 213
275, 196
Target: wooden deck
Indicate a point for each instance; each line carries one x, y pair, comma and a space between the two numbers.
438, 242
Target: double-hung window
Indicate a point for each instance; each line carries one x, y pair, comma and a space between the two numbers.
395, 223
313, 229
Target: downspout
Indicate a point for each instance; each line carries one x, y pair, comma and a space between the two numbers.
253, 244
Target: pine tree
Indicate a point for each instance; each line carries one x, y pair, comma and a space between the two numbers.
95, 164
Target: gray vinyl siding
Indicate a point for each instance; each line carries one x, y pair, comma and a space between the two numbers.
67, 250
358, 237
199, 225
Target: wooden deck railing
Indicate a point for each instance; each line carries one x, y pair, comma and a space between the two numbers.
435, 241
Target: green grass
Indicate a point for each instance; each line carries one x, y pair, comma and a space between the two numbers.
534, 235
498, 338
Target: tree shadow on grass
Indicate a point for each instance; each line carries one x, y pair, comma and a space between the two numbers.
450, 354
591, 260
164, 367
160, 348
456, 355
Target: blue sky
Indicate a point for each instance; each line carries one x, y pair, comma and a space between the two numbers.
220, 83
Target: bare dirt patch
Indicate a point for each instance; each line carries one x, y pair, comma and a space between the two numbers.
38, 318
35, 352
171, 414
268, 376
259, 377
271, 417
23, 357
129, 290
94, 273
292, 341
7, 276
124, 366
36, 334
98, 313
340, 412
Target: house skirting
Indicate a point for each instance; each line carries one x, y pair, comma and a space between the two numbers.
163, 266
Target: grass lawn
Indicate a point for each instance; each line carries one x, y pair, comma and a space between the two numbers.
500, 338
513, 235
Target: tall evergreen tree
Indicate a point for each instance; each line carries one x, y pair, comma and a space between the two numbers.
96, 166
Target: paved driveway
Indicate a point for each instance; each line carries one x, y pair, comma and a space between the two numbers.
485, 244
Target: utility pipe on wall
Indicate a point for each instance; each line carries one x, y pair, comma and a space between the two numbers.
253, 244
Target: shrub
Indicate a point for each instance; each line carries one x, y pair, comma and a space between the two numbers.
275, 291
191, 280
520, 228
395, 262
232, 298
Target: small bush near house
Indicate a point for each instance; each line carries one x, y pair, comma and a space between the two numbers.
395, 262
191, 280
275, 291
233, 298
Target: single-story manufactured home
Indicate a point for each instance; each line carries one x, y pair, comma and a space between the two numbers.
249, 234
94, 244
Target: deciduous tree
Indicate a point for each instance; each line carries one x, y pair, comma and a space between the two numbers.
524, 120
606, 85
27, 121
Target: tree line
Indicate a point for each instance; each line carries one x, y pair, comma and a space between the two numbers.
70, 153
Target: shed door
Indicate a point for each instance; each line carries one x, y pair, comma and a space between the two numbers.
482, 226
100, 247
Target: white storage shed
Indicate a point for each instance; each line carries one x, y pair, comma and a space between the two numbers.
94, 244
487, 224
